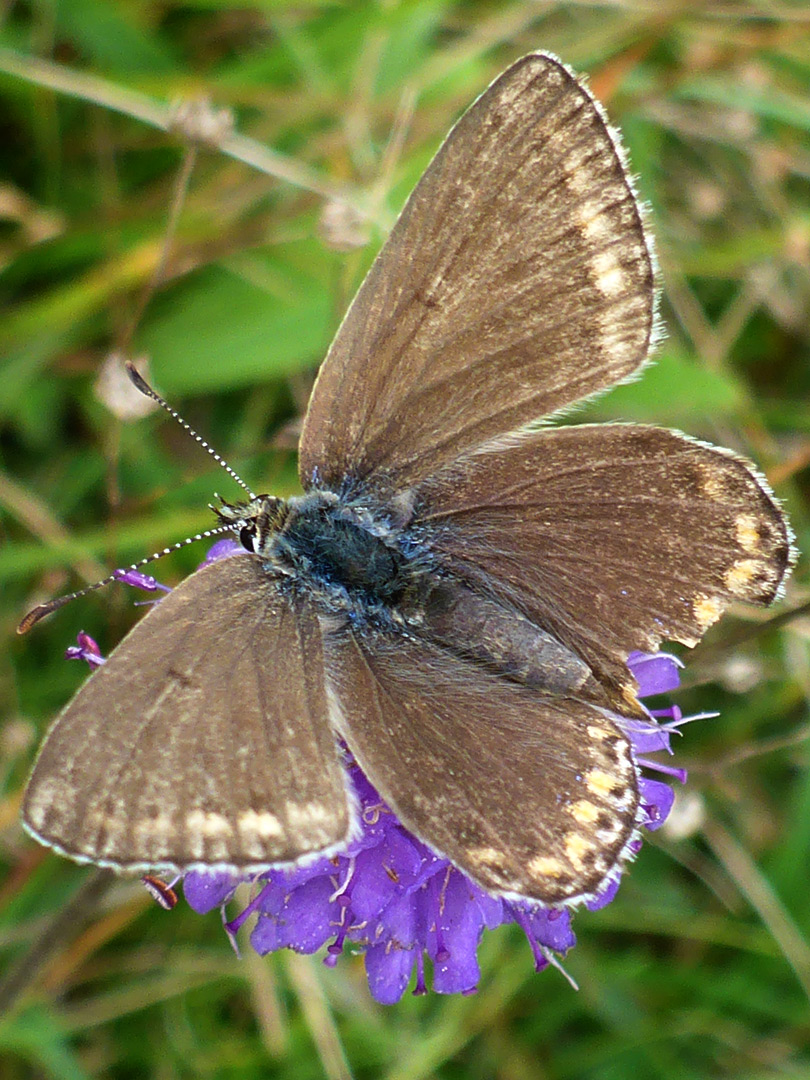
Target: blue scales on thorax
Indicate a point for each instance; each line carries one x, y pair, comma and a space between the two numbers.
329, 551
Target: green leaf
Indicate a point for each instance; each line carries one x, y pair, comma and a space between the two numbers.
229, 326
35, 1036
673, 390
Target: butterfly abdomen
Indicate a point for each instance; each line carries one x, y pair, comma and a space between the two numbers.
488, 633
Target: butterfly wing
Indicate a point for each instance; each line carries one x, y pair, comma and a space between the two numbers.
530, 795
241, 717
516, 281
613, 537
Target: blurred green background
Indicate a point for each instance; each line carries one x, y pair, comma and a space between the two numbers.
701, 967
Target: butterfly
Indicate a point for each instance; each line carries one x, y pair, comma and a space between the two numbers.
455, 595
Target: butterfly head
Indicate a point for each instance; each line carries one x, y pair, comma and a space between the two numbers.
255, 521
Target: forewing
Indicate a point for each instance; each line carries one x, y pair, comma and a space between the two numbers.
516, 281
530, 795
612, 537
203, 741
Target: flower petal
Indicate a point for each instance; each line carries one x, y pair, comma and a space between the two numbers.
455, 925
646, 737
604, 897
303, 920
382, 872
204, 892
657, 799
550, 927
655, 673
388, 971
222, 549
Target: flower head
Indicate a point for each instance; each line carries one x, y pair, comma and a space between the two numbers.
389, 896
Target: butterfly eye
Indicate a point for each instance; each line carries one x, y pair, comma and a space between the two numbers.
247, 537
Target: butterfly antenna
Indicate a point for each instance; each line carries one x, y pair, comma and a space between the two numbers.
141, 384
41, 610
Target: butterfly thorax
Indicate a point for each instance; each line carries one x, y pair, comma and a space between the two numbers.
338, 554
354, 562
334, 551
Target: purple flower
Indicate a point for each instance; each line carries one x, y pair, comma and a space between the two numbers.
222, 549
140, 580
392, 898
85, 649
389, 896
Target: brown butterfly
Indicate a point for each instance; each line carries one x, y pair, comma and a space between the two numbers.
456, 594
